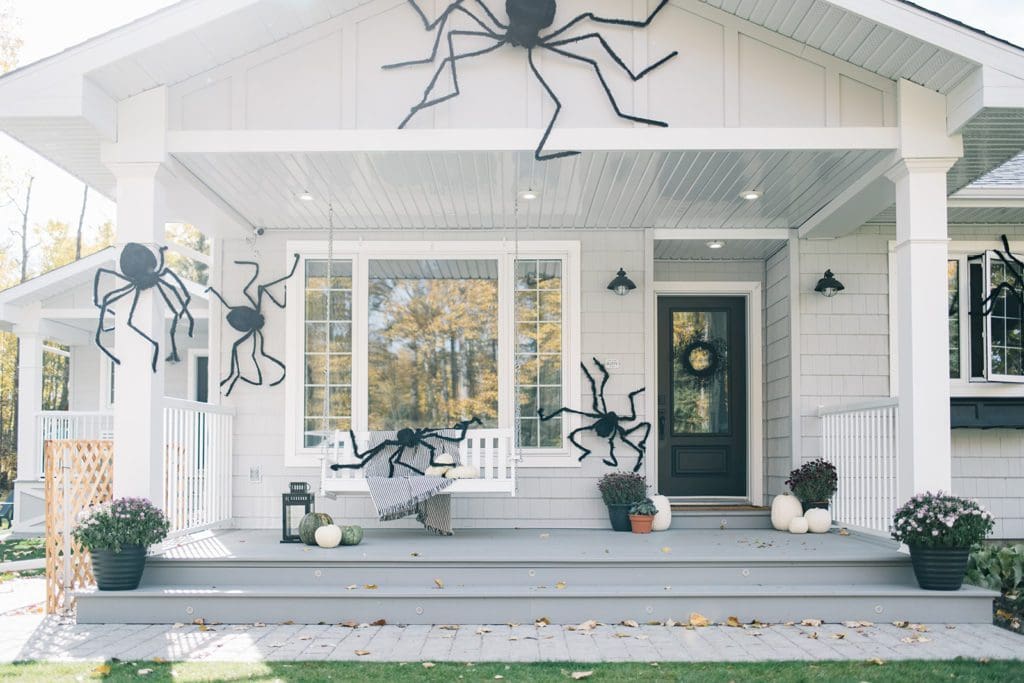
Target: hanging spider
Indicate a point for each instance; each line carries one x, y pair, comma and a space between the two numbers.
609, 424
142, 270
250, 320
407, 439
526, 20
1013, 288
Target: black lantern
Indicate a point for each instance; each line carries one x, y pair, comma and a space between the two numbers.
295, 505
621, 285
829, 285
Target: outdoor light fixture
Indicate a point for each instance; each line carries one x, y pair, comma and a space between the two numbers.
295, 505
306, 196
716, 244
829, 285
621, 285
528, 195
750, 195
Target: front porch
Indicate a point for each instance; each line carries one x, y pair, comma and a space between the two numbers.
499, 576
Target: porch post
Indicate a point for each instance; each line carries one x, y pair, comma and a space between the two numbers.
139, 392
30, 401
922, 325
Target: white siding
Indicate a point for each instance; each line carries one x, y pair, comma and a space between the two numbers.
778, 460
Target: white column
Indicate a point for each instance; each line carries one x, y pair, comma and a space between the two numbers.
922, 325
139, 391
30, 402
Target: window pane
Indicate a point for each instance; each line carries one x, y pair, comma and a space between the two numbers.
56, 375
539, 350
433, 342
1005, 325
328, 344
953, 289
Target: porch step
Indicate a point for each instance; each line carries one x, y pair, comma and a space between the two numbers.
684, 517
499, 604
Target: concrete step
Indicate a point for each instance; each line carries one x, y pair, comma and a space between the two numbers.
724, 518
499, 604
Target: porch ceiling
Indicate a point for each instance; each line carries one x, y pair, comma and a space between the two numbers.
479, 189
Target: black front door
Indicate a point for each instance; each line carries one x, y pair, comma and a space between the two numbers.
702, 396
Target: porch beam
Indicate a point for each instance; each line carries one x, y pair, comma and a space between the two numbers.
525, 139
864, 199
684, 234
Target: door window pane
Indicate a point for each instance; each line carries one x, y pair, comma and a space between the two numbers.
433, 342
327, 403
700, 389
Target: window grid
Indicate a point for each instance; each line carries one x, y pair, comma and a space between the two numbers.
1007, 344
539, 338
327, 345
953, 290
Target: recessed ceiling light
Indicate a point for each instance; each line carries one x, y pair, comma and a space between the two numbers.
751, 195
716, 244
529, 195
306, 196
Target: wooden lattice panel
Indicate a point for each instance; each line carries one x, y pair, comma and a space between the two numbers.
79, 474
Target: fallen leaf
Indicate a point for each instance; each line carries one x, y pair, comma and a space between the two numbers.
916, 638
259, 624
370, 586
511, 624
838, 636
351, 587
542, 622
901, 624
199, 621
983, 660
429, 665
144, 672
857, 624
305, 637
204, 627
733, 622
630, 623
844, 531
811, 622
379, 622
449, 627
439, 583
950, 626
560, 585
588, 625
178, 624
349, 624
414, 554
666, 549
655, 623
158, 660
362, 653
698, 619
642, 636
580, 675
513, 637
288, 622
545, 536
877, 662
482, 630
671, 622
813, 636
622, 635
103, 670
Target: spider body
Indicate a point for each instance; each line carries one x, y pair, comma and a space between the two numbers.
607, 424
407, 439
526, 28
248, 319
142, 270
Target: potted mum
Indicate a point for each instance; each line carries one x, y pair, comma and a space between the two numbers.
117, 535
940, 529
814, 483
641, 516
620, 490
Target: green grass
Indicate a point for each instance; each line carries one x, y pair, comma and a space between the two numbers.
364, 672
22, 549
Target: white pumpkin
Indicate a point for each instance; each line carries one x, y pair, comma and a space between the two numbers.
445, 459
819, 521
784, 508
662, 520
798, 525
463, 472
438, 471
328, 536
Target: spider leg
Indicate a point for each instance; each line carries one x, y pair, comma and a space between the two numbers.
131, 324
235, 371
451, 59
160, 253
607, 91
632, 404
463, 426
433, 453
577, 444
256, 274
265, 289
545, 418
604, 381
442, 21
646, 426
593, 388
538, 153
605, 20
211, 290
273, 360
182, 295
611, 460
640, 449
96, 283
173, 357
611, 53
365, 457
396, 459
108, 299
1020, 264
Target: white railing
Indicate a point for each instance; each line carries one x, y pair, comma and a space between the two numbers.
197, 465
71, 425
861, 440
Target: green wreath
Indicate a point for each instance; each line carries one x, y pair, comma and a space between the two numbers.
703, 359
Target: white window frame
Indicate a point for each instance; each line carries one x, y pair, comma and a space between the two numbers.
505, 252
963, 386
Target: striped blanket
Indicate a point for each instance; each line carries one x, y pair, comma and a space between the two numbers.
400, 496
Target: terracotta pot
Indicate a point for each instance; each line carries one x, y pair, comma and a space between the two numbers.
641, 523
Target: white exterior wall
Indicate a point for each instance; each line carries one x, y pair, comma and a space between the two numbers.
778, 456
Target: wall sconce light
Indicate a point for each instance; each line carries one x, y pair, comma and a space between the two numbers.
829, 285
621, 285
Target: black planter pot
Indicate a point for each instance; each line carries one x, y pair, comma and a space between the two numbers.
618, 515
816, 504
939, 569
119, 571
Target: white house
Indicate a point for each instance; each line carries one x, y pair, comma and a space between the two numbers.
806, 136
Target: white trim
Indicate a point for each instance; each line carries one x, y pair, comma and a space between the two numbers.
697, 234
752, 292
795, 395
501, 250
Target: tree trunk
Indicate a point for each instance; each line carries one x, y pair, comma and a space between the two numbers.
81, 222
24, 230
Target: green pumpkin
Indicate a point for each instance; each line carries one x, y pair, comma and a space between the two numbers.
310, 523
351, 535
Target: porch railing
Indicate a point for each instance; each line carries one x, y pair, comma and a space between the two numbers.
71, 425
861, 440
197, 465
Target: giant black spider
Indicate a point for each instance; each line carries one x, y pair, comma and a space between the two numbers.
609, 423
249, 319
143, 270
407, 439
526, 20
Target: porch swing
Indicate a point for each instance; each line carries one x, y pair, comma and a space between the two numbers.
491, 451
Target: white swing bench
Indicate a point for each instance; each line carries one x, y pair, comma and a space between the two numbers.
488, 450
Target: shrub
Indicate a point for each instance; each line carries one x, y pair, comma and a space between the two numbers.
998, 568
936, 520
645, 507
123, 522
814, 481
619, 488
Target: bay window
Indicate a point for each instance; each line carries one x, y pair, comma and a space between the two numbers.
413, 334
